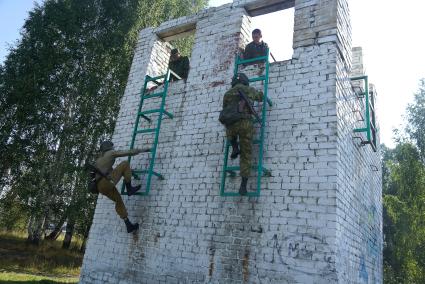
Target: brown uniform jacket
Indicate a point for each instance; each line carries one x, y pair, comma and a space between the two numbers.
105, 162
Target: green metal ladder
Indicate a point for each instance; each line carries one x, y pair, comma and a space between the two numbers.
261, 171
370, 119
143, 114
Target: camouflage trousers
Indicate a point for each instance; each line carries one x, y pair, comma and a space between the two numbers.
107, 187
244, 129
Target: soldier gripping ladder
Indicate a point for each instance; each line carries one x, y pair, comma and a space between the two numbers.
241, 126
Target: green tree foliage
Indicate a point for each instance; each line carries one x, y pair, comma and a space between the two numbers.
404, 200
416, 119
60, 90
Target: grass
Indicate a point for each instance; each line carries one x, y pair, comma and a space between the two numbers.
47, 263
11, 277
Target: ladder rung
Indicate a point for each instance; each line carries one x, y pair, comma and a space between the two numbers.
149, 111
148, 130
143, 113
261, 58
269, 101
161, 177
237, 168
156, 95
358, 78
249, 194
267, 172
233, 168
170, 115
154, 79
255, 79
145, 117
360, 129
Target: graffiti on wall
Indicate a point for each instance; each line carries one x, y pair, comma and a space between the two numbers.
292, 252
371, 258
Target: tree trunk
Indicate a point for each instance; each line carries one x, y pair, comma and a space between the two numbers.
86, 236
35, 228
57, 230
68, 234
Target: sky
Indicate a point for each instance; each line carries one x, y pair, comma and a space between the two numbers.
389, 31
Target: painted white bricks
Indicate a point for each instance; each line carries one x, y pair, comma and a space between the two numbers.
318, 219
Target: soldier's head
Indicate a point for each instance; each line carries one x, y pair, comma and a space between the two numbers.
240, 78
256, 36
106, 146
175, 54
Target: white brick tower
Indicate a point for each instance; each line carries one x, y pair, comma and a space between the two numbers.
319, 216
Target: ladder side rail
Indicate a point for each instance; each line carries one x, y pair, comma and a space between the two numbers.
136, 123
236, 68
366, 82
158, 127
373, 120
263, 124
224, 174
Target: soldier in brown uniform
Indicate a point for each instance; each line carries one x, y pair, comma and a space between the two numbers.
243, 127
106, 186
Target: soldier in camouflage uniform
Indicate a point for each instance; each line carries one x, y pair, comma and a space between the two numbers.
179, 65
243, 128
256, 48
106, 186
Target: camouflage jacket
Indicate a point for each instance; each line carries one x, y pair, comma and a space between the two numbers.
232, 96
253, 50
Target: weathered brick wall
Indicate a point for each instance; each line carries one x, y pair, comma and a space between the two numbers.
308, 224
359, 188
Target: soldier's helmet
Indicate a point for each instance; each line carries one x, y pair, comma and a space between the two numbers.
106, 146
240, 78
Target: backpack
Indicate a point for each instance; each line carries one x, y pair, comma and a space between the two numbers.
232, 113
92, 182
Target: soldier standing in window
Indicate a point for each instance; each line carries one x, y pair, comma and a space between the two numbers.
179, 65
256, 48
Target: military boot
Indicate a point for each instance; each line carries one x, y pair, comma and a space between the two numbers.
242, 189
131, 189
130, 227
235, 149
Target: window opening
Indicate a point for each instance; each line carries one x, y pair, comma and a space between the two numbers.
277, 29
181, 39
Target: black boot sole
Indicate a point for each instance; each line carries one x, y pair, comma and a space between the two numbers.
134, 228
234, 155
133, 191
